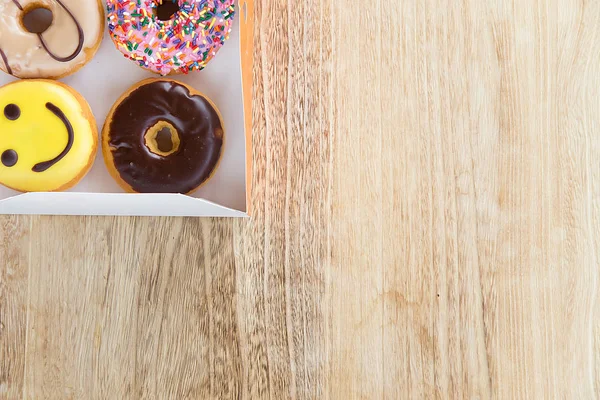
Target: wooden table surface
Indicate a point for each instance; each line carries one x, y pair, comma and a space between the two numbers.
426, 225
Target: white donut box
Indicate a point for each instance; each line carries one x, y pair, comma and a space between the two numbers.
226, 81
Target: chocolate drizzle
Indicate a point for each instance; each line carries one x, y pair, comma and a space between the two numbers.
8, 69
2, 55
80, 35
198, 126
43, 166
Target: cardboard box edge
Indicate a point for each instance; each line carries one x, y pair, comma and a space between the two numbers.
247, 60
55, 198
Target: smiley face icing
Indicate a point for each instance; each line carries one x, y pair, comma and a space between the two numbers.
48, 136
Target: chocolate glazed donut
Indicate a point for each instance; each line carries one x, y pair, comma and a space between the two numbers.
131, 146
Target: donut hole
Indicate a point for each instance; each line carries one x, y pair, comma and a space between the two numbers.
162, 139
166, 10
37, 18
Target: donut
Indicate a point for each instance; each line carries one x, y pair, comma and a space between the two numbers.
162, 136
170, 36
48, 138
48, 38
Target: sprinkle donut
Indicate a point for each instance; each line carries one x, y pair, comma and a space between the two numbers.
170, 36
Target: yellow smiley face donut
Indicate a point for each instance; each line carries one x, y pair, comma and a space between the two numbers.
48, 136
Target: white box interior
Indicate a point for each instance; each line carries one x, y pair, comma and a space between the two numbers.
102, 81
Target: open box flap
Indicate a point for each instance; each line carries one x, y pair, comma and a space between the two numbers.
72, 203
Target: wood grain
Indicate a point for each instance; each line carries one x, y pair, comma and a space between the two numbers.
426, 224
14, 291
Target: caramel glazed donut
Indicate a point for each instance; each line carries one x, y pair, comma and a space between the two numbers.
48, 38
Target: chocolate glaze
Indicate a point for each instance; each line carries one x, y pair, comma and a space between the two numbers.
197, 123
43, 166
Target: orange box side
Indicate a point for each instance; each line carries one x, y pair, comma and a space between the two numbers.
246, 21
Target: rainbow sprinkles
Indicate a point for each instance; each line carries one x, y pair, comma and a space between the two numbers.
185, 42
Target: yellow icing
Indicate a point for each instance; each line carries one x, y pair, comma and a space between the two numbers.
38, 135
